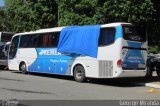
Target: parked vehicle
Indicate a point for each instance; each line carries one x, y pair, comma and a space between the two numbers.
5, 38
153, 64
4, 54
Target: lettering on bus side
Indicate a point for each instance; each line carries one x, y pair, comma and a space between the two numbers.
49, 52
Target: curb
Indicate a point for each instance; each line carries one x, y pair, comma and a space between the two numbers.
152, 85
149, 85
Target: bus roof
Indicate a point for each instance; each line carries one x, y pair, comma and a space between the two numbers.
115, 24
56, 29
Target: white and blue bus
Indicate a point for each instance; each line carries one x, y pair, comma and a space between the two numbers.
122, 52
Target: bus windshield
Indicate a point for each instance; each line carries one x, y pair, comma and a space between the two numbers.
134, 33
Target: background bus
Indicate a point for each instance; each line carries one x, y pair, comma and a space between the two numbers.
121, 52
5, 38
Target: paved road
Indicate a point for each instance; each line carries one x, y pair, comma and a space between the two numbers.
14, 85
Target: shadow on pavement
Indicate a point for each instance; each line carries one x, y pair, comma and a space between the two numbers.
125, 82
117, 82
47, 75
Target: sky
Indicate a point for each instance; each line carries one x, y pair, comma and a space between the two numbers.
1, 3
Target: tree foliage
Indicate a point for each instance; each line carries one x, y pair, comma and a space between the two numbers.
78, 12
137, 11
105, 11
156, 17
26, 15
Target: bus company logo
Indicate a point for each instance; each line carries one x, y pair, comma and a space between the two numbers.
49, 52
135, 58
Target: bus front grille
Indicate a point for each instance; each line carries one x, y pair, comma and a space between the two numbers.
105, 68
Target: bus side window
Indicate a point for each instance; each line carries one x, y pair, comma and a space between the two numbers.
24, 41
35, 41
45, 40
55, 37
50, 40
107, 36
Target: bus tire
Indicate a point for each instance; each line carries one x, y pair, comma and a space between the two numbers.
79, 74
23, 68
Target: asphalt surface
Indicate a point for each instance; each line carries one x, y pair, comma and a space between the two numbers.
14, 85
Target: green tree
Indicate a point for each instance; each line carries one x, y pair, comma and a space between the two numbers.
105, 11
26, 15
156, 18
79, 12
136, 11
1, 19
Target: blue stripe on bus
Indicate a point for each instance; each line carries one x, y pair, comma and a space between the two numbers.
119, 32
50, 61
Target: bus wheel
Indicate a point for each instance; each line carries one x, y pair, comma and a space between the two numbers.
23, 68
79, 74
